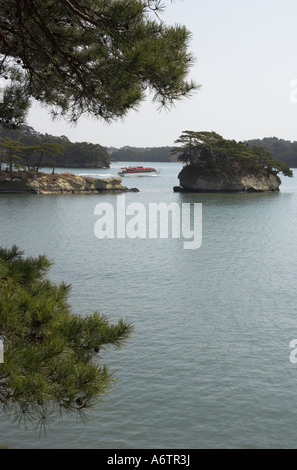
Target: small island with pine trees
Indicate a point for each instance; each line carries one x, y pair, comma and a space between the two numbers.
21, 162
214, 164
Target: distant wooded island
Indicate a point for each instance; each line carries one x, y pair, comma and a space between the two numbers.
141, 154
87, 155
40, 150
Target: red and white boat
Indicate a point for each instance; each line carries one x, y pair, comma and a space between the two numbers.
138, 171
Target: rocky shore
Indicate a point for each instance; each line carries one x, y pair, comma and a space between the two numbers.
195, 181
62, 183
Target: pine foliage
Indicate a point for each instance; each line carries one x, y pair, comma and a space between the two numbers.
210, 152
96, 57
50, 354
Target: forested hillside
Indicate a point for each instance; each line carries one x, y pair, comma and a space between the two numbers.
75, 155
139, 154
281, 149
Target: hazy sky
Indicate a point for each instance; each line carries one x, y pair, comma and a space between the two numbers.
246, 64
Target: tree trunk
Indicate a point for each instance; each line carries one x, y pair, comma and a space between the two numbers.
10, 160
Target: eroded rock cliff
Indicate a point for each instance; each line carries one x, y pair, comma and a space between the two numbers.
194, 181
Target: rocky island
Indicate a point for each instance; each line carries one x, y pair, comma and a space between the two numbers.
63, 183
214, 164
194, 180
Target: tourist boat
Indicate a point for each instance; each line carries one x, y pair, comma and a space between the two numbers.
138, 171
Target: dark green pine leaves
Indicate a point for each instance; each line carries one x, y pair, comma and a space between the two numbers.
93, 57
51, 361
210, 152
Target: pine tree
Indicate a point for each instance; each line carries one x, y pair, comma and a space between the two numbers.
93, 57
51, 364
12, 149
209, 151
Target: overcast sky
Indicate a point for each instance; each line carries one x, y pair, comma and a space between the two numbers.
246, 64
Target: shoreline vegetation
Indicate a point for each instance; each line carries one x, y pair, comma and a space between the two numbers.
33, 150
87, 155
211, 164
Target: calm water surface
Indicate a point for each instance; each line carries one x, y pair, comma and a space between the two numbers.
209, 363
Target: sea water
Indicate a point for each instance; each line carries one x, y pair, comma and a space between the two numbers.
210, 362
